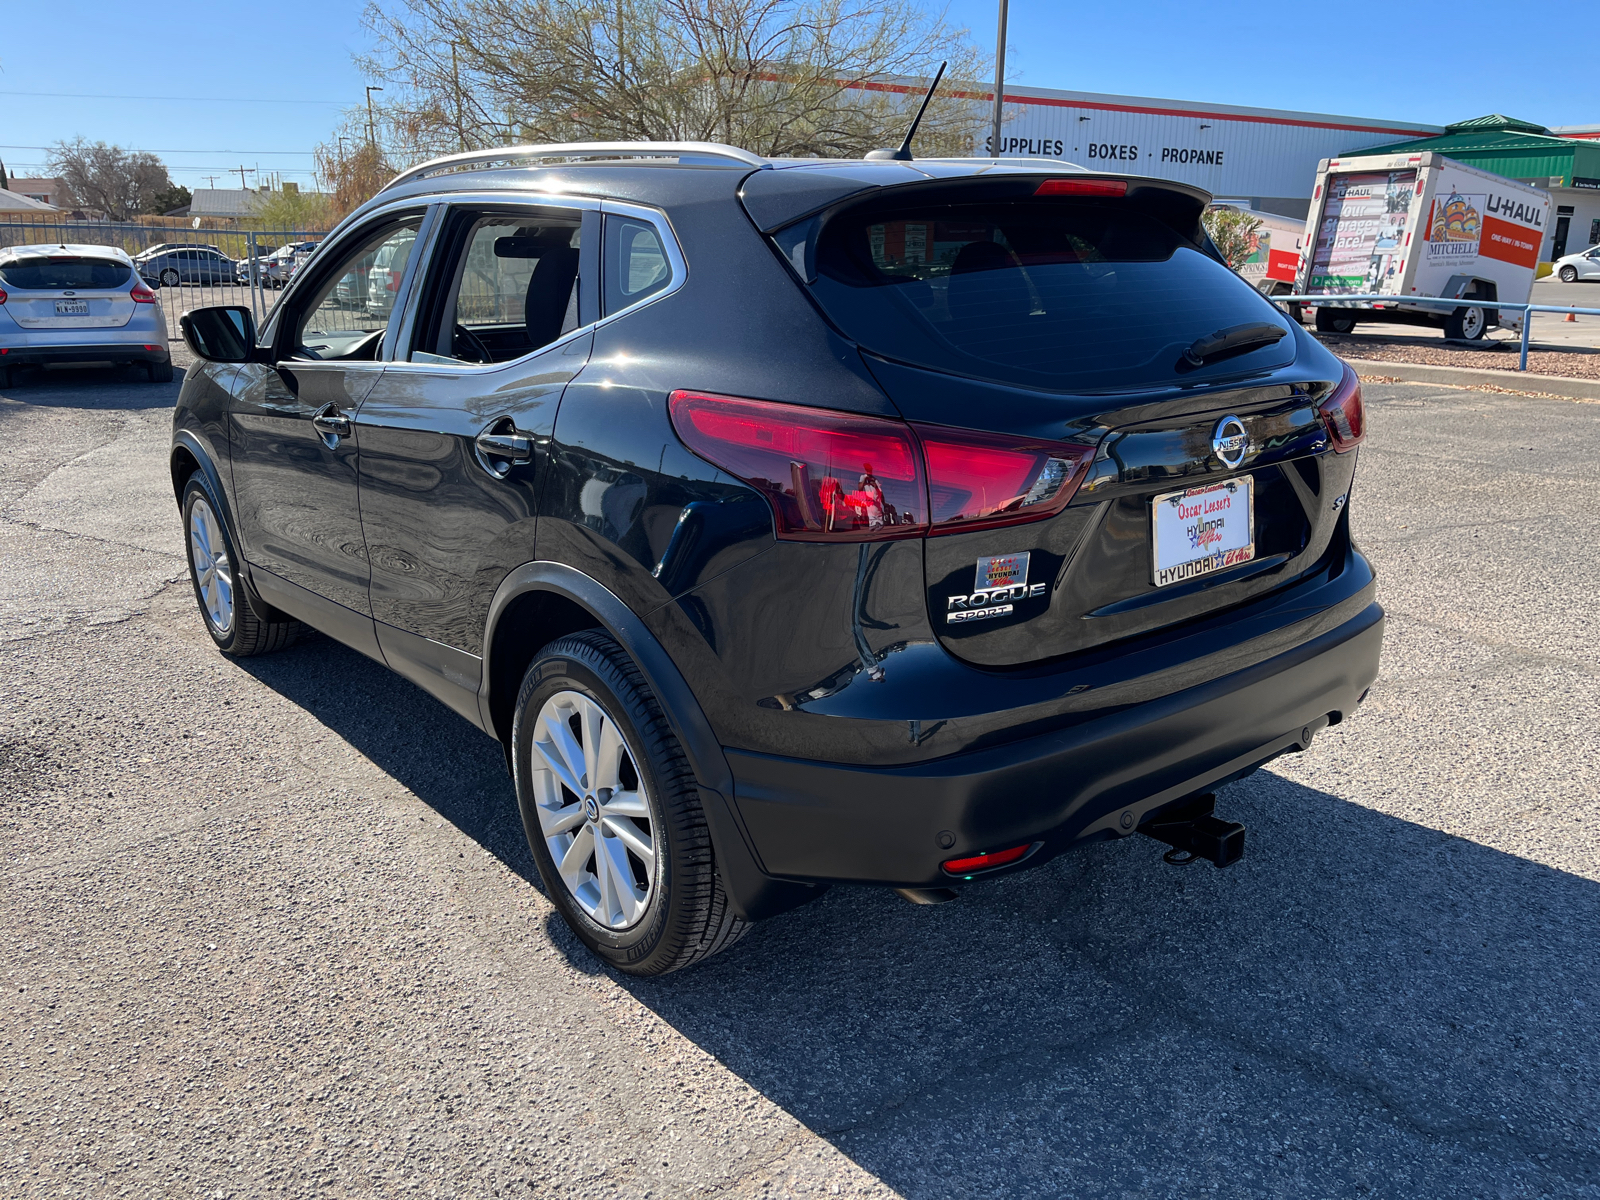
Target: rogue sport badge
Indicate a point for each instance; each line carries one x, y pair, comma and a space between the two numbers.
1230, 442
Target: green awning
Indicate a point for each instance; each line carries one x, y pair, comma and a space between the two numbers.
1506, 146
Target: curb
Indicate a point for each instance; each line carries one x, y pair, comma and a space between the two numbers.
1469, 377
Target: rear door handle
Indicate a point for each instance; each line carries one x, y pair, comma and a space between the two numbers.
513, 446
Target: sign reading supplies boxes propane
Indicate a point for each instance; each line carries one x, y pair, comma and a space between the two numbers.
1422, 225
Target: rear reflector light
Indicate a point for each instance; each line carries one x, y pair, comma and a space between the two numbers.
1082, 187
985, 862
979, 480
142, 294
829, 476
1344, 414
152, 347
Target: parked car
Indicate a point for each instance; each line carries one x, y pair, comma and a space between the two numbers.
351, 290
163, 247
791, 522
172, 268
1584, 264
76, 304
278, 267
385, 274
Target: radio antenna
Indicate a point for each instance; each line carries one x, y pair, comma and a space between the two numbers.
904, 153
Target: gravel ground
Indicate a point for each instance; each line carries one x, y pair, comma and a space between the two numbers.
1495, 356
273, 928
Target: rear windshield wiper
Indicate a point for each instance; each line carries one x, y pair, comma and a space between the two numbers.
1235, 337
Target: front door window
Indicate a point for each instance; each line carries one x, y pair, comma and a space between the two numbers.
348, 323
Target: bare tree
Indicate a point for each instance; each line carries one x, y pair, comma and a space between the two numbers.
784, 78
351, 178
115, 181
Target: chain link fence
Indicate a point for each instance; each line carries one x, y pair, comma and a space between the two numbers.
188, 267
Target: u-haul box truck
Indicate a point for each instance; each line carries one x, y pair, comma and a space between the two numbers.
1275, 256
1421, 225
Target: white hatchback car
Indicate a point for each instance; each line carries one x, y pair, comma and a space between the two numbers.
78, 304
1582, 264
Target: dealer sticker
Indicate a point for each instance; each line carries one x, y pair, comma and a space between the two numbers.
1000, 582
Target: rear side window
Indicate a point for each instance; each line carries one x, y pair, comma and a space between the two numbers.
636, 264
1065, 295
54, 274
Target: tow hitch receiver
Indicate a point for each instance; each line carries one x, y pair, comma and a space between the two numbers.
1193, 832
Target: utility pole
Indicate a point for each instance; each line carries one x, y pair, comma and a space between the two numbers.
455, 76
999, 81
372, 136
211, 181
241, 170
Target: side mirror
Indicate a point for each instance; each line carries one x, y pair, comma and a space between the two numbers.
224, 334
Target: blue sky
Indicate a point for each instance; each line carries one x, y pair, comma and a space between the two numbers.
213, 86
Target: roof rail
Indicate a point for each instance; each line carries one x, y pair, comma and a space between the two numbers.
571, 150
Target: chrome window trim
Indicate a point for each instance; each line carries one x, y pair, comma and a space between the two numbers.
656, 218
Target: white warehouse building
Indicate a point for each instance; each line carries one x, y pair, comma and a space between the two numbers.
1270, 156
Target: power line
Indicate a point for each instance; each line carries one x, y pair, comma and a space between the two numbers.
212, 150
202, 99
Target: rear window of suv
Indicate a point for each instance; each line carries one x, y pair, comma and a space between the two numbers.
55, 274
1065, 295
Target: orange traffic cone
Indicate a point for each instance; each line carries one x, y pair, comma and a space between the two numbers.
1572, 317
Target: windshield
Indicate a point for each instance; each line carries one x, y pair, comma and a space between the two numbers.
55, 274
1064, 295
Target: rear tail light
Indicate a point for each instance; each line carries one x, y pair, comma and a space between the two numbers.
142, 294
1344, 414
838, 477
980, 480
2, 295
1082, 187
829, 476
394, 281
987, 862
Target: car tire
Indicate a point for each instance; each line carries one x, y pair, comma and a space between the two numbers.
229, 619
636, 880
170, 278
1466, 324
1334, 320
160, 372
1569, 274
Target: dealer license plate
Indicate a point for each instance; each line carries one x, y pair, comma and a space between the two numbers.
1203, 529
72, 308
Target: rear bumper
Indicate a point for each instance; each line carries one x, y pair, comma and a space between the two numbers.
35, 356
822, 821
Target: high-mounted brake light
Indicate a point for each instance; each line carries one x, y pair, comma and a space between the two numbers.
986, 862
829, 476
142, 294
1082, 187
1344, 413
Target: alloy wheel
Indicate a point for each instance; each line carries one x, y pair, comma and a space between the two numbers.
213, 572
593, 811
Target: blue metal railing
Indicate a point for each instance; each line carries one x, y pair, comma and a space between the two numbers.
1527, 310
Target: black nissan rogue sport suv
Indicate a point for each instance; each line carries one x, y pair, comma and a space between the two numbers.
792, 522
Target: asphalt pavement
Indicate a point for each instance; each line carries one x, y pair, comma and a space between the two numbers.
271, 927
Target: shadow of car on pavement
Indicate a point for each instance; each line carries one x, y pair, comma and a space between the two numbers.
1362, 1005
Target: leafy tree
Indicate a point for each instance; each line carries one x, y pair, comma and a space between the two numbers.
173, 197
293, 210
115, 181
1236, 233
784, 78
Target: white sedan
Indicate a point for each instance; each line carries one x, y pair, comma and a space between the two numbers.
1584, 264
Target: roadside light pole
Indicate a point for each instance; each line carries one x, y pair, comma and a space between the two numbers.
372, 137
999, 80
